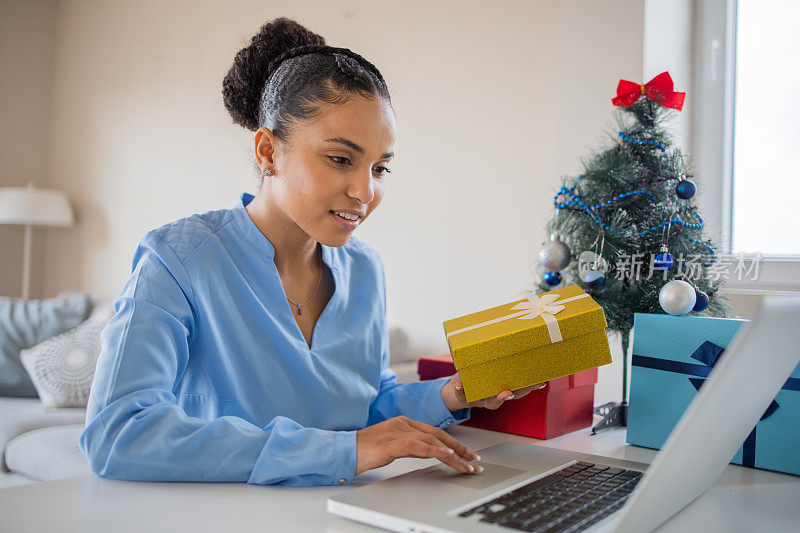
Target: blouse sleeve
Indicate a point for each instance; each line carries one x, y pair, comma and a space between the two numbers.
135, 429
419, 400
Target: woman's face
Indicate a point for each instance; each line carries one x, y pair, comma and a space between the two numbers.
333, 162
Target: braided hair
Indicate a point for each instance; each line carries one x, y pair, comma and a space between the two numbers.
286, 71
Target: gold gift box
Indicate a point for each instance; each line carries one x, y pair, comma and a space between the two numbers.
529, 341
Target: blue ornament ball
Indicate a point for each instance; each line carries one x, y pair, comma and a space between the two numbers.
552, 278
663, 261
701, 301
594, 279
685, 189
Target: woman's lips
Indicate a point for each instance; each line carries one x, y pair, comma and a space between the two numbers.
348, 225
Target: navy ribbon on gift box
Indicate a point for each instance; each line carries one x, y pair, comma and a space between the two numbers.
709, 353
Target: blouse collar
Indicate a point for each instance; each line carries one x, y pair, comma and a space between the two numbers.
254, 235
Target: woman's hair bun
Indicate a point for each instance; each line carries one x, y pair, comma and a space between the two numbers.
242, 86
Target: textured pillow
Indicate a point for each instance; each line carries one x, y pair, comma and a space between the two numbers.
62, 367
24, 323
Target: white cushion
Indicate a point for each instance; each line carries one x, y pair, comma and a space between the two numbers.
48, 453
406, 372
62, 367
20, 415
400, 346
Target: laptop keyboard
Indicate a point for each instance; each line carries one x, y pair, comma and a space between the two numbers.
571, 499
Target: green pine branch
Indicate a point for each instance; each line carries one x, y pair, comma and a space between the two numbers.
620, 167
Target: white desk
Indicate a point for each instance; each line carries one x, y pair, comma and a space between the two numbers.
742, 500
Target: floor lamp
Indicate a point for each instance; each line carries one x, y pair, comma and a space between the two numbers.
31, 206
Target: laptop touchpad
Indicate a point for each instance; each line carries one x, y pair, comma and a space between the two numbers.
492, 473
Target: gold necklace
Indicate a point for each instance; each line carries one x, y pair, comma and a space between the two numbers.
299, 306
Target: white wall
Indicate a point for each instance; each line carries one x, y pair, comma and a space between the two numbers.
27, 45
495, 101
668, 46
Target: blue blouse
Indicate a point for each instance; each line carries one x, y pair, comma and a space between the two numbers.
204, 374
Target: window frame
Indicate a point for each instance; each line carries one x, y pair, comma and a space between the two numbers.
714, 68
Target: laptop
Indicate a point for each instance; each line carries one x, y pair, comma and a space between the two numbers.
526, 487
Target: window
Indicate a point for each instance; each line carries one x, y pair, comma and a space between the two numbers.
766, 139
742, 142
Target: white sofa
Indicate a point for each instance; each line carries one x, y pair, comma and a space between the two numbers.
41, 443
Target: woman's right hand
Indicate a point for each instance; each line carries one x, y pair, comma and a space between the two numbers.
380, 444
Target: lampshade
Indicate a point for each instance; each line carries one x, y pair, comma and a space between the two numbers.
35, 206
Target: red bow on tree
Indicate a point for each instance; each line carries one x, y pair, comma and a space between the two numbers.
658, 90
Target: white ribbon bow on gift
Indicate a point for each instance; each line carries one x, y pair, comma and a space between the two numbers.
542, 306
545, 306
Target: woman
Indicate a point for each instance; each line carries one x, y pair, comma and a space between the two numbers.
251, 344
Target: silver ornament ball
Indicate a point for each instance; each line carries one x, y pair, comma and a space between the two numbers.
555, 254
677, 297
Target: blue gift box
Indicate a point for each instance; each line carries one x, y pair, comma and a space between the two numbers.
672, 356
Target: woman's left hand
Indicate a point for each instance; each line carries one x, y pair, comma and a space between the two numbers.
454, 397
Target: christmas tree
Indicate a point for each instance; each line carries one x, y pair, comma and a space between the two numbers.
627, 229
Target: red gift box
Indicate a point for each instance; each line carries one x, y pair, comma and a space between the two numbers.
565, 404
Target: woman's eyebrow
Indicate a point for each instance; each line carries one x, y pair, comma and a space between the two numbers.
354, 146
